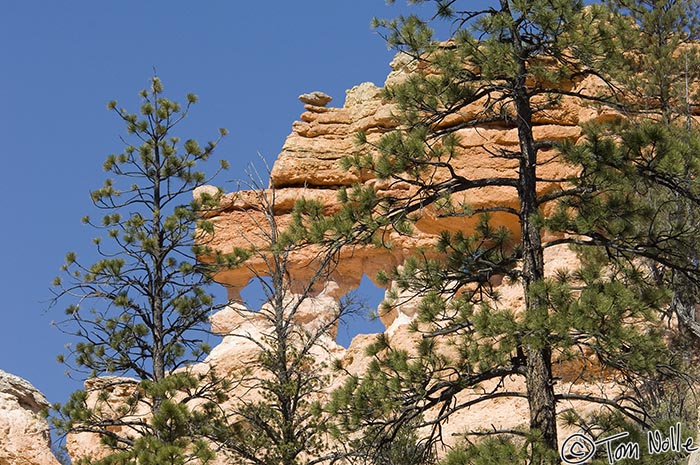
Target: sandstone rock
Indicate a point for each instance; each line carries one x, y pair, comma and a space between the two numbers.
316, 98
24, 432
309, 166
238, 350
207, 190
242, 324
116, 389
401, 67
363, 98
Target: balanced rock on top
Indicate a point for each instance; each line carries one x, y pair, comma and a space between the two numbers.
316, 98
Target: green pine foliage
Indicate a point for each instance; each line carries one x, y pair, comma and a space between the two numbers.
491, 451
141, 309
664, 78
629, 211
662, 59
275, 416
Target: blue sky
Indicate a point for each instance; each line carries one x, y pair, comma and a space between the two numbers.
61, 62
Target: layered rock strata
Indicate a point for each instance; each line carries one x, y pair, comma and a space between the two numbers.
309, 167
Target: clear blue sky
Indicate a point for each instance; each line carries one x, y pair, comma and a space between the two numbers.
61, 62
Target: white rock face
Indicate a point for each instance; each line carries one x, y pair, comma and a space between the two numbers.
24, 432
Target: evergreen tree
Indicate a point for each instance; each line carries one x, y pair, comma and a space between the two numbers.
618, 210
141, 310
275, 417
662, 59
655, 149
660, 74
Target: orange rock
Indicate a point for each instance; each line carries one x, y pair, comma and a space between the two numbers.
309, 166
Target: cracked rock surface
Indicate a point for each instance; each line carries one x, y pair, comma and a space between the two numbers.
24, 432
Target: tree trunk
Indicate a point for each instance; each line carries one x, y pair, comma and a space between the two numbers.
540, 388
157, 282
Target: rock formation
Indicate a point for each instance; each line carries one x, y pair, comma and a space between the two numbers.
24, 432
309, 167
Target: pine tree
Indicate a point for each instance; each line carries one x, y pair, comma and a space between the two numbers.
510, 59
653, 150
661, 62
141, 310
661, 74
275, 416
